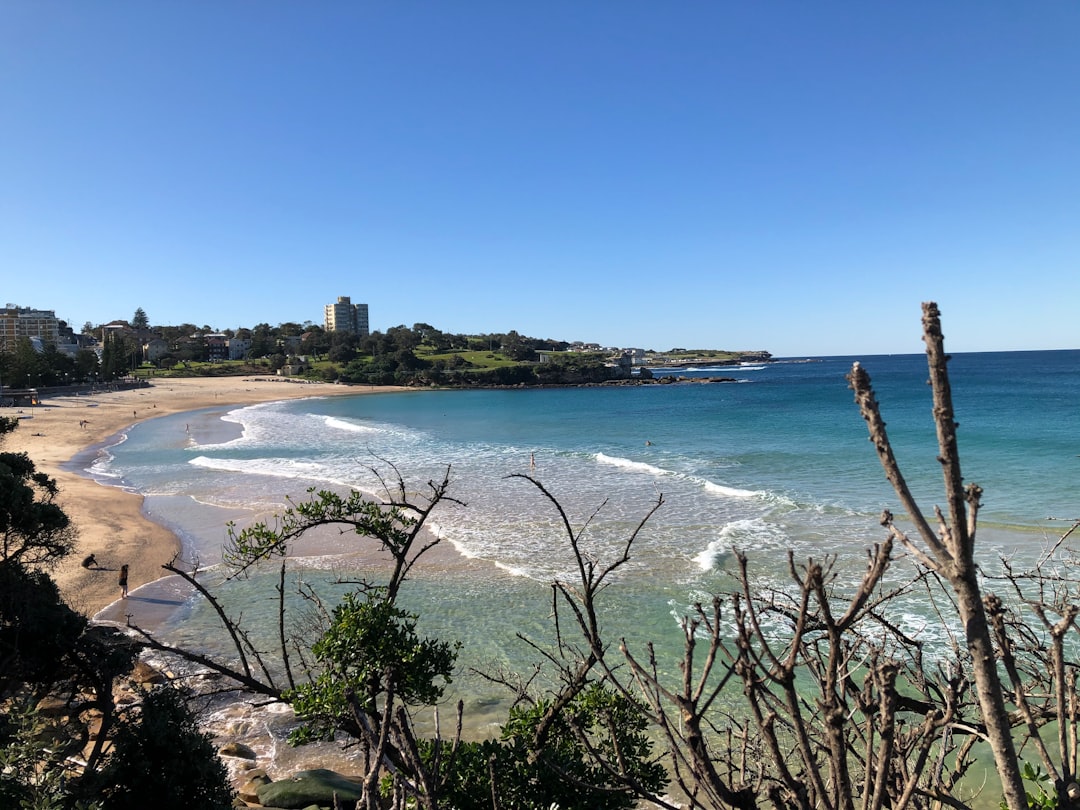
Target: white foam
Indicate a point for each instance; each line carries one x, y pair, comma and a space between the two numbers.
275, 467
628, 464
513, 570
748, 534
728, 492
344, 424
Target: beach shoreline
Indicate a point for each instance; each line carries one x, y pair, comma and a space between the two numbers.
61, 435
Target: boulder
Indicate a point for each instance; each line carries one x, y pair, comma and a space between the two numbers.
143, 673
249, 791
52, 707
235, 749
305, 788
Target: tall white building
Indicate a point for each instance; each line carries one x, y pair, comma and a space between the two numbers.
345, 316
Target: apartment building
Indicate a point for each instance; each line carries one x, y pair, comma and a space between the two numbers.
17, 322
345, 316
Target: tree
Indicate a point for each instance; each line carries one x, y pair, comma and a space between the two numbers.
952, 552
341, 352
263, 343
401, 337
161, 753
34, 530
290, 329
117, 356
139, 319
370, 665
86, 365
408, 362
316, 342
57, 367
23, 366
842, 708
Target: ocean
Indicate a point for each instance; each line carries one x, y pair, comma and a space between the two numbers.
776, 461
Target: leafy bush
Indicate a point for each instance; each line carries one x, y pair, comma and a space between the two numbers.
160, 759
371, 648
566, 773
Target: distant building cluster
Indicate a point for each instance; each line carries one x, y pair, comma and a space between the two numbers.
345, 316
39, 326
42, 328
163, 345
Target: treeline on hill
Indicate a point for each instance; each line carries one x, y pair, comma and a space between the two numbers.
420, 355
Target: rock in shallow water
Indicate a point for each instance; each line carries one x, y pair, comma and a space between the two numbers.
309, 787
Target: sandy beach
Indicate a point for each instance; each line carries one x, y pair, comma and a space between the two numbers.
110, 521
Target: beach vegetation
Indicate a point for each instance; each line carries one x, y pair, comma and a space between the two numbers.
370, 654
567, 774
120, 354
34, 530
160, 756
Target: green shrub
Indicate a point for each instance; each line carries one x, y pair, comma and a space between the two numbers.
161, 759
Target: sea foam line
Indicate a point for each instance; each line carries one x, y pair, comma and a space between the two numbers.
627, 464
343, 424
274, 467
728, 492
710, 487
749, 534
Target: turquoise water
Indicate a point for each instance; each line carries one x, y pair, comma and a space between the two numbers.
778, 460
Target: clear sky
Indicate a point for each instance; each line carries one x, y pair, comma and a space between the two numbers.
789, 176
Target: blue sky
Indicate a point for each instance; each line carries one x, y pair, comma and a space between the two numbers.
788, 176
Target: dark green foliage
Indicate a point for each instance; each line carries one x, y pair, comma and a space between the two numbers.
371, 650
160, 759
33, 529
32, 772
263, 340
507, 375
574, 369
377, 371
21, 366
407, 361
565, 773
37, 630
86, 365
119, 355
341, 353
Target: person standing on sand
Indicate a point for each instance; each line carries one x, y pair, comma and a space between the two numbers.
123, 581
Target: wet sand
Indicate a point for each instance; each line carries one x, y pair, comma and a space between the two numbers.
110, 521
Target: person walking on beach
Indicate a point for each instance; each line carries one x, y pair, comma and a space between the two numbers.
123, 581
